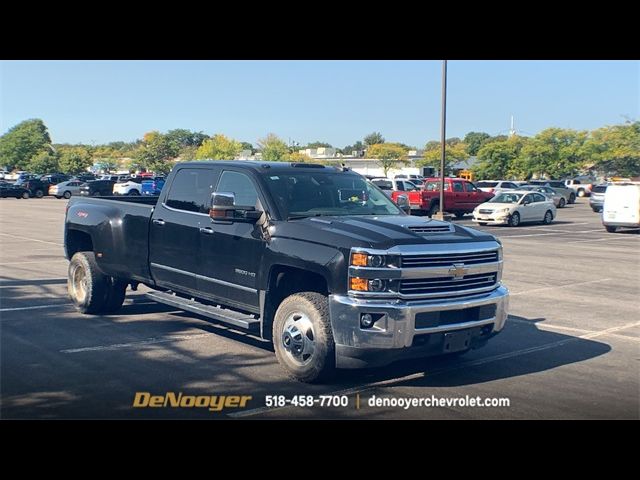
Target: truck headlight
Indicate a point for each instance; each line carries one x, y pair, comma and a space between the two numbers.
376, 285
359, 259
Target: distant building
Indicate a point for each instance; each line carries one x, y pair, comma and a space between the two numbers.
320, 153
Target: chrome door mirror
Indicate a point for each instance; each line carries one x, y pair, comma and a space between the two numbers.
224, 209
403, 202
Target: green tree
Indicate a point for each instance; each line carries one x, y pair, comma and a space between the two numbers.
496, 158
388, 155
74, 160
219, 147
348, 149
474, 141
554, 152
248, 146
374, 138
22, 142
156, 152
273, 148
317, 145
615, 149
455, 151
180, 138
43, 162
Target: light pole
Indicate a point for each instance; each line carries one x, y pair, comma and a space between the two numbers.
443, 127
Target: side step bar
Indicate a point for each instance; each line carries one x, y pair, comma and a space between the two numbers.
224, 315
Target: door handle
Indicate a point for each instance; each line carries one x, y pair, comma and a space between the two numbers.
207, 231
158, 221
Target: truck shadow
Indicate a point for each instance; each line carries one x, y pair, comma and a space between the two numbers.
521, 349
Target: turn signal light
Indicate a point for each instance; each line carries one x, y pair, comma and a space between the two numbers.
359, 259
358, 284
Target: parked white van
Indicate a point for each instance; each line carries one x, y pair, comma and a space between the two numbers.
621, 206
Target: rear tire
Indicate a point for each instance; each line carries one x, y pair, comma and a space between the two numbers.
25, 195
96, 194
303, 339
582, 193
67, 195
435, 208
459, 215
134, 192
90, 290
482, 224
514, 219
548, 218
611, 229
39, 194
572, 198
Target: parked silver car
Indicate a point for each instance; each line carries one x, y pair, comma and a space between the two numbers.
558, 186
65, 189
596, 200
558, 200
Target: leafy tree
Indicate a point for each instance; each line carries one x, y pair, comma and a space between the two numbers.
180, 137
474, 141
74, 160
248, 146
298, 157
455, 151
318, 145
22, 142
374, 138
273, 148
554, 152
188, 153
388, 155
615, 149
358, 146
496, 158
219, 147
44, 162
156, 152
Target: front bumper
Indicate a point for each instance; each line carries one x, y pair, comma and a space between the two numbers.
492, 219
394, 335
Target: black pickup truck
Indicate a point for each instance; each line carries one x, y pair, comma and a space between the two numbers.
313, 258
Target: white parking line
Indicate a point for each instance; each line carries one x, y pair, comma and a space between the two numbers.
605, 238
40, 262
463, 365
150, 341
38, 307
32, 239
553, 287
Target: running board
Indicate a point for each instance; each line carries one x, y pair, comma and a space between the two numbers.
224, 315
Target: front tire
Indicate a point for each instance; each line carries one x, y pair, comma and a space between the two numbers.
67, 195
562, 203
514, 219
572, 198
25, 195
582, 193
611, 229
39, 194
435, 208
303, 338
459, 215
134, 192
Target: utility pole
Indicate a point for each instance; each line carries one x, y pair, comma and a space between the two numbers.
443, 136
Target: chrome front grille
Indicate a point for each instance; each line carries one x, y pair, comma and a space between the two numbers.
485, 211
439, 285
443, 260
430, 228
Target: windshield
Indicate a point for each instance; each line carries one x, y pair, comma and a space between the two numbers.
308, 194
507, 198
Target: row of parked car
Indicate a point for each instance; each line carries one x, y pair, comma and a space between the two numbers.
64, 186
490, 202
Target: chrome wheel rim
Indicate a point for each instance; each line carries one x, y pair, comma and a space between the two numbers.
547, 217
515, 220
79, 286
298, 339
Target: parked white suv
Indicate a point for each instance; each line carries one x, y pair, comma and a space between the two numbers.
132, 186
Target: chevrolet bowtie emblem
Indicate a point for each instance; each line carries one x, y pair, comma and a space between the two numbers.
458, 271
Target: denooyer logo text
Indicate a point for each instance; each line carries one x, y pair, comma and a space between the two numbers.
214, 403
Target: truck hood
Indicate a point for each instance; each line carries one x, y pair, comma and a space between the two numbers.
380, 232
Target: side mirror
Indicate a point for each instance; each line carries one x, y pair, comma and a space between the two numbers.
403, 202
224, 209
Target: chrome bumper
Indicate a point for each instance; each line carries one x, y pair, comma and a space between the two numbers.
395, 330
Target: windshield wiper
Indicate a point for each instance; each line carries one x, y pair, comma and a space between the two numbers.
298, 217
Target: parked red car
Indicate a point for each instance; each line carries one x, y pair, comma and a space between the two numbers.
460, 196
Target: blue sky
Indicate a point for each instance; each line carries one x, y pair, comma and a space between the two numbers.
334, 101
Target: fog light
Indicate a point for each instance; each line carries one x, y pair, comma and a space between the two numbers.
366, 320
376, 285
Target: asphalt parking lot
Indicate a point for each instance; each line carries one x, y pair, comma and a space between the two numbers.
570, 350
